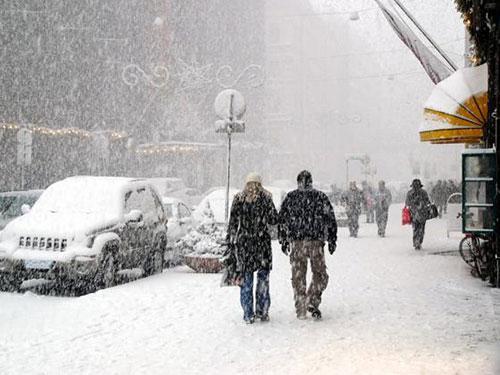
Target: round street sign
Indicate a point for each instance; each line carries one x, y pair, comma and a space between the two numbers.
230, 103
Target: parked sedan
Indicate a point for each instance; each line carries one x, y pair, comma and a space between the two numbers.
12, 204
180, 220
85, 229
341, 215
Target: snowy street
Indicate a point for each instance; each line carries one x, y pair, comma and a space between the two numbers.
387, 310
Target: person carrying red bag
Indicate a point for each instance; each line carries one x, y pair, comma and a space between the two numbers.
417, 201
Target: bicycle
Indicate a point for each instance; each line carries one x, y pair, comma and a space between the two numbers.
478, 251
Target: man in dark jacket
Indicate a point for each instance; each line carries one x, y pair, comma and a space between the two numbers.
306, 221
417, 200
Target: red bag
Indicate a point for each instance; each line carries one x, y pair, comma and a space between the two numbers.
406, 216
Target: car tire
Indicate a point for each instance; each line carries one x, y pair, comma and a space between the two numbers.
107, 269
155, 260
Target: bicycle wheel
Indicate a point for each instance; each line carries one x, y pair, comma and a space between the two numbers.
467, 248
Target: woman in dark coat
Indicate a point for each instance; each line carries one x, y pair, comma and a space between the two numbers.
252, 212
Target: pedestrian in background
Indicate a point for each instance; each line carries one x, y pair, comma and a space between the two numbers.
368, 201
252, 212
383, 200
417, 200
352, 200
306, 221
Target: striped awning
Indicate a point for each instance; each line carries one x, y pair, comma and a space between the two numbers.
457, 110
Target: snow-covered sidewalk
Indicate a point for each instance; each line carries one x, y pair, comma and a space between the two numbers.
387, 310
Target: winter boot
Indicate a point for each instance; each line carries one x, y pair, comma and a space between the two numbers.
315, 313
262, 317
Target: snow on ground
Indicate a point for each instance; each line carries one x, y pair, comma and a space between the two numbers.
387, 310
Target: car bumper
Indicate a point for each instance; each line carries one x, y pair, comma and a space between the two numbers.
80, 267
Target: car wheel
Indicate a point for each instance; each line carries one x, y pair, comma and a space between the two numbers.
154, 262
107, 269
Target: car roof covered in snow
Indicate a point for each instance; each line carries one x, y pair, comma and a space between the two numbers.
21, 193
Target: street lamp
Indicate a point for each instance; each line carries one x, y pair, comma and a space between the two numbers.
363, 158
230, 107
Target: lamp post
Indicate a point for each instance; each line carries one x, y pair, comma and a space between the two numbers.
230, 107
363, 158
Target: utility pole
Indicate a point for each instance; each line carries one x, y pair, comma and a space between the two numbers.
429, 38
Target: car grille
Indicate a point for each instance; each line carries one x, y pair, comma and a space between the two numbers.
43, 243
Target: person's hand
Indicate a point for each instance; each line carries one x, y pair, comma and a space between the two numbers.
285, 247
331, 247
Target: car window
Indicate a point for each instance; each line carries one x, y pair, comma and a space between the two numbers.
132, 201
183, 211
142, 199
10, 206
160, 212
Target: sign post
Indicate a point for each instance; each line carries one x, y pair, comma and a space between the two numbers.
230, 107
24, 142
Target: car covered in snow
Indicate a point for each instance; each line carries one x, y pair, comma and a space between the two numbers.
340, 215
180, 220
12, 204
212, 207
85, 229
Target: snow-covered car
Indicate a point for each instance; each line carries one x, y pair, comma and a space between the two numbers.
165, 185
12, 204
340, 215
212, 206
180, 220
175, 188
85, 229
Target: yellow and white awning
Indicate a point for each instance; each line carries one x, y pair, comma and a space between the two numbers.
457, 109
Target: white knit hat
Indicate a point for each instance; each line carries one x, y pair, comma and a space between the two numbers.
253, 177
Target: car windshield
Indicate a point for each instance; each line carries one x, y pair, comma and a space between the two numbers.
79, 196
10, 206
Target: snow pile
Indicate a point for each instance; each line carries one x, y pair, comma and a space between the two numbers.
207, 238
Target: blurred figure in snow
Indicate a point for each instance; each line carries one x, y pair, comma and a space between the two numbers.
417, 200
306, 221
439, 195
383, 200
252, 212
352, 200
368, 202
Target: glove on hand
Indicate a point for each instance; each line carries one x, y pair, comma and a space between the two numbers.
331, 247
285, 247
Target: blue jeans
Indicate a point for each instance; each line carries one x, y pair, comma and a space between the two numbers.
263, 299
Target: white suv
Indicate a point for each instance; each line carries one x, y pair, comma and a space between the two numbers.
85, 229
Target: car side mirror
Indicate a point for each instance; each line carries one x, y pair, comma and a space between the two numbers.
134, 217
25, 208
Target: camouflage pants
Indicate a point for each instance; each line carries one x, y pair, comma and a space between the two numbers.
382, 217
299, 255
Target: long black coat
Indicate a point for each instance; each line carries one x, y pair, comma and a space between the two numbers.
248, 231
307, 214
417, 200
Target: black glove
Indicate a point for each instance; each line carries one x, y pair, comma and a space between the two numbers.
285, 247
331, 247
